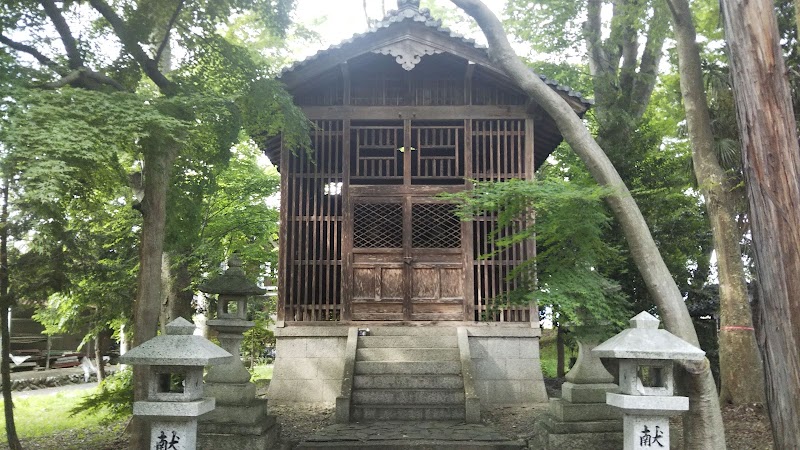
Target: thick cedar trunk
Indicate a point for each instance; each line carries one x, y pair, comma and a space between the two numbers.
177, 292
771, 160
741, 375
706, 428
181, 293
159, 156
5, 305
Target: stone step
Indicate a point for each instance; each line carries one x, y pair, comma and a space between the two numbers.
406, 368
407, 342
407, 354
394, 381
411, 331
439, 397
409, 434
417, 445
406, 412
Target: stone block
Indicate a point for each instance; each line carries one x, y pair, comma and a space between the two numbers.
328, 368
270, 439
490, 369
504, 347
545, 439
645, 432
523, 369
233, 393
294, 369
478, 347
291, 347
529, 348
579, 412
244, 415
533, 391
553, 426
260, 427
586, 393
304, 391
181, 435
325, 347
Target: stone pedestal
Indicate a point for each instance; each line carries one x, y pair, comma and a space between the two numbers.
240, 420
581, 418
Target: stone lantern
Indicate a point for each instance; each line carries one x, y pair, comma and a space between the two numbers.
175, 396
240, 419
646, 380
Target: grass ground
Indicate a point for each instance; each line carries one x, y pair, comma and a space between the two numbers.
39, 418
547, 353
44, 421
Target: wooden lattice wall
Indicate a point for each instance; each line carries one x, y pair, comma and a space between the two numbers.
313, 212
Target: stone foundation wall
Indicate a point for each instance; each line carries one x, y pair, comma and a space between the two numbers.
309, 364
507, 366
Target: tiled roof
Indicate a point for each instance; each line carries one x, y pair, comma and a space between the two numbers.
409, 11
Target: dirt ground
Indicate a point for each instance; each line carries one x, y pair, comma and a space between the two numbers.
746, 427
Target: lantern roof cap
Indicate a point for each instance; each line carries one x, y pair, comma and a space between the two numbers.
644, 340
232, 282
178, 347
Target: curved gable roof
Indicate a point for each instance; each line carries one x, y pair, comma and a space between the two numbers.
397, 27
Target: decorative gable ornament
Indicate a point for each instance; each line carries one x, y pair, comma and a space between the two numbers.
408, 53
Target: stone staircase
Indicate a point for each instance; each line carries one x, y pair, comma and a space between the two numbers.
408, 373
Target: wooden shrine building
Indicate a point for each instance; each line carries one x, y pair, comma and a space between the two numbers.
402, 113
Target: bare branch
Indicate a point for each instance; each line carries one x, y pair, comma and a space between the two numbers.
70, 44
131, 45
44, 60
168, 31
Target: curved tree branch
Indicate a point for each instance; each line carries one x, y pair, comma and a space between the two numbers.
659, 281
131, 45
43, 60
70, 44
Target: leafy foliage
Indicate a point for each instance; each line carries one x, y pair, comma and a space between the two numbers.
114, 398
569, 224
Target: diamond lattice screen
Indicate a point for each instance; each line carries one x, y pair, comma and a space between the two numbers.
378, 225
435, 226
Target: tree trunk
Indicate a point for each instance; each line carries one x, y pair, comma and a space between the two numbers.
707, 428
182, 293
5, 307
560, 369
771, 160
158, 159
98, 357
166, 292
741, 375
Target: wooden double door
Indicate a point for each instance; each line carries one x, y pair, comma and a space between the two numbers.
407, 260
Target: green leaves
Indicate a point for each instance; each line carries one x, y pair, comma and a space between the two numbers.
568, 221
